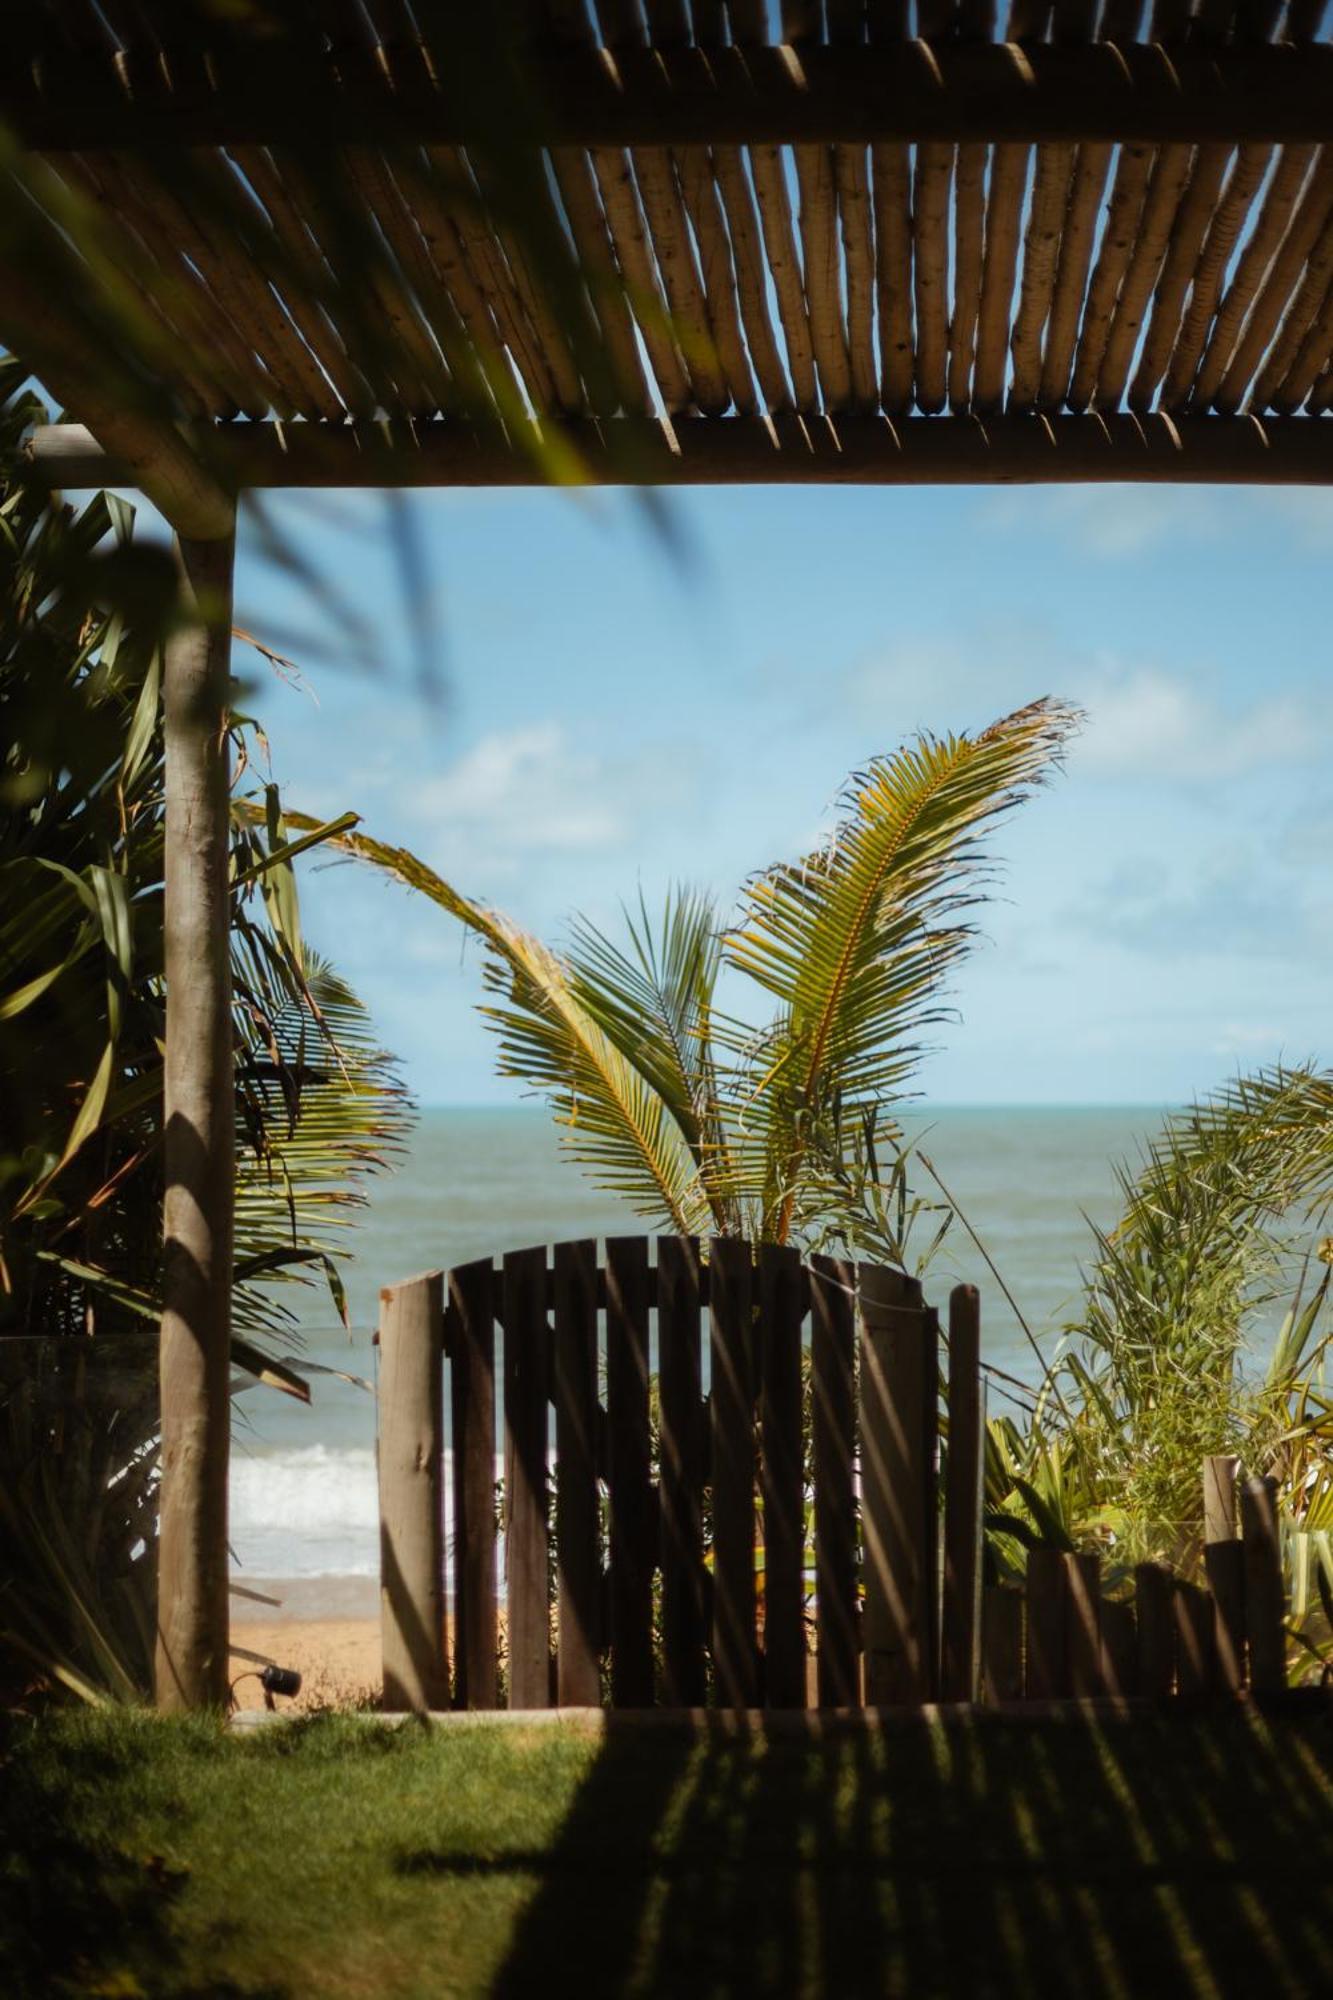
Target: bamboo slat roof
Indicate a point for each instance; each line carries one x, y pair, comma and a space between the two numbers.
764, 228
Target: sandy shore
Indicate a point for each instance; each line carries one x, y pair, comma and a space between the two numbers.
327, 1627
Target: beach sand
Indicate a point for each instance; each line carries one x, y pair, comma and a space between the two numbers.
326, 1627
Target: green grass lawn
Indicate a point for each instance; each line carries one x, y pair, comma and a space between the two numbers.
332, 1857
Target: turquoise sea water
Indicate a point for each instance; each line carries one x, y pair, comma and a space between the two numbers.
478, 1182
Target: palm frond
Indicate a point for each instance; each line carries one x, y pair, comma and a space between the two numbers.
615, 1123
856, 942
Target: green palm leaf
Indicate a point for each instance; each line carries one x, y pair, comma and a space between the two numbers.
856, 941
616, 1122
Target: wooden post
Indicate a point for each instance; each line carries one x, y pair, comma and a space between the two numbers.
1154, 1606
1001, 1643
1195, 1651
527, 1390
1119, 1647
1224, 1563
411, 1485
1265, 1596
199, 1115
962, 1499
1047, 1651
732, 1399
1083, 1624
470, 1329
833, 1427
899, 1589
1220, 1472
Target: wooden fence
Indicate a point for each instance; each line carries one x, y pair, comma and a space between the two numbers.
655, 1548
1059, 1637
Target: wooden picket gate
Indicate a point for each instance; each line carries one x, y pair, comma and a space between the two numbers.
633, 1598
672, 1569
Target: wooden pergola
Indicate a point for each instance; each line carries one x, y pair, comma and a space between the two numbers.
667, 241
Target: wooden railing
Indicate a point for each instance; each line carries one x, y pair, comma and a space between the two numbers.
691, 1513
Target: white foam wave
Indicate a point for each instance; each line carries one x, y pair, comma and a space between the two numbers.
309, 1512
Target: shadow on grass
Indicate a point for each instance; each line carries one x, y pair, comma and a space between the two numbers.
1170, 1855
80, 1911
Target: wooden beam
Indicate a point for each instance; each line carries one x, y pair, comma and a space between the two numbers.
745, 451
199, 1142
638, 96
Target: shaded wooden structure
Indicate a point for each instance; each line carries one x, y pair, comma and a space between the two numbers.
718, 1481
675, 1475
634, 240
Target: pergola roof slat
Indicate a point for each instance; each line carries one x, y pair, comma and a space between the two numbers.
699, 222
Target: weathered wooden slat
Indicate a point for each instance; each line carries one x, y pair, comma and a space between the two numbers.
1001, 1643
669, 228
1220, 1473
781, 1311
891, 181
578, 1539
1160, 208
1047, 1675
1041, 247
410, 1457
1133, 165
1193, 1610
1004, 216
833, 1424
1281, 195
853, 188
1300, 243
679, 1339
775, 215
962, 1499
1192, 220
629, 1471
822, 265
896, 1355
1265, 1592
1119, 1647
587, 223
1243, 184
1154, 1595
930, 239
625, 224
527, 1387
969, 235
731, 1397
470, 1341
695, 168
748, 255
1071, 282
1224, 1565
1083, 1624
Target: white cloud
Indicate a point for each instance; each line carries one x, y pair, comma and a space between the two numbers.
1141, 720
525, 790
1116, 523
1144, 722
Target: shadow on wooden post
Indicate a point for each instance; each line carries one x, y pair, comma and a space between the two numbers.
411, 1466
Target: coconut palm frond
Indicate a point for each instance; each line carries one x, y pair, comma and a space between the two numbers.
856, 941
656, 1001
615, 1123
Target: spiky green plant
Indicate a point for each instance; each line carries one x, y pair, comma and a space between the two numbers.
83, 612
704, 1123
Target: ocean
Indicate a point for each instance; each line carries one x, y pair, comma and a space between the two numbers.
304, 1522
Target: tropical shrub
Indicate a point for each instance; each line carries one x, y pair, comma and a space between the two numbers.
84, 611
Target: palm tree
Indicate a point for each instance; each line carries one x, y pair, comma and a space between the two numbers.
703, 1123
318, 1103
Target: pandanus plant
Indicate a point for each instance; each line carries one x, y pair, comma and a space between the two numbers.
706, 1123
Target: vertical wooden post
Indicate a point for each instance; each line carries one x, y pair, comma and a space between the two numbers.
1265, 1595
1154, 1606
471, 1334
962, 1499
896, 1352
1001, 1643
732, 1399
527, 1391
1047, 1648
1083, 1624
1224, 1563
629, 1472
683, 1453
411, 1485
577, 1539
782, 1297
199, 1115
833, 1427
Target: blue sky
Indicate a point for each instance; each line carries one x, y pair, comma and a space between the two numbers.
618, 715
